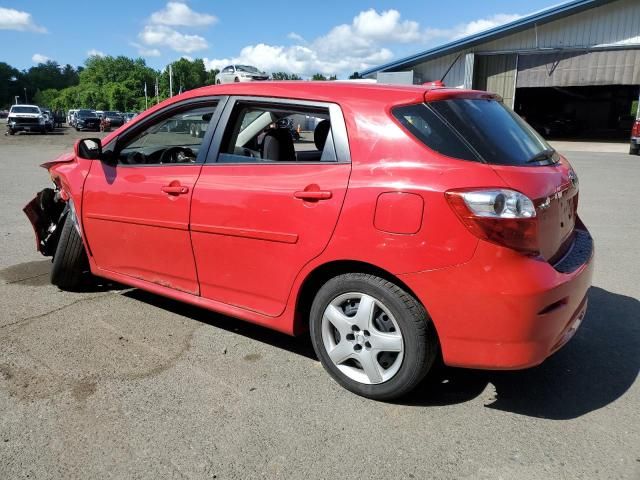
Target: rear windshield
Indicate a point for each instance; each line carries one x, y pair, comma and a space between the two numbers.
86, 113
476, 129
25, 110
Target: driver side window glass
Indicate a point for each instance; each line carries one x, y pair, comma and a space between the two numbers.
175, 139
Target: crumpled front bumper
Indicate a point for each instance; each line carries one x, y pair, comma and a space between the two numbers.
44, 212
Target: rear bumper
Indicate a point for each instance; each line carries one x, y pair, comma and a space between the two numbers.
503, 310
635, 141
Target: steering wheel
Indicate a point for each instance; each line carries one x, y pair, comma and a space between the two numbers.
177, 155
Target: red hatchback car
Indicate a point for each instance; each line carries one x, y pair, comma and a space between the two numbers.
409, 222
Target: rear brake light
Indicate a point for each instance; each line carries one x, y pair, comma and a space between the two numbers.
635, 131
501, 216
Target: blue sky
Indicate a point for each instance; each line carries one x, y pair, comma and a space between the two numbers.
303, 37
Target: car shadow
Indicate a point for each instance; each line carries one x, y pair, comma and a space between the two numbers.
593, 370
299, 345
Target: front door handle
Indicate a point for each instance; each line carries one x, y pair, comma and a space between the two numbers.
175, 189
313, 195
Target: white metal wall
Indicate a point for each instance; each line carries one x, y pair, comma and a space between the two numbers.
616, 24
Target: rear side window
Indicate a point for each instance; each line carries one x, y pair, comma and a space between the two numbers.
431, 130
480, 129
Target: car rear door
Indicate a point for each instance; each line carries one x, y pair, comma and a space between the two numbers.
136, 212
255, 222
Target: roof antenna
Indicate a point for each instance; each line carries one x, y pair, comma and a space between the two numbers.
440, 83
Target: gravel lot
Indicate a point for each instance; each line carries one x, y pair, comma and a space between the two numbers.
119, 383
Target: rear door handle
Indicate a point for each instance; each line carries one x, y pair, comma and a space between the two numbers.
313, 195
175, 189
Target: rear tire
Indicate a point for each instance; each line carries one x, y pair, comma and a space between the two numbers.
70, 260
383, 358
634, 150
11, 132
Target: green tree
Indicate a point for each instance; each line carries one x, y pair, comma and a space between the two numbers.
354, 76
285, 76
318, 76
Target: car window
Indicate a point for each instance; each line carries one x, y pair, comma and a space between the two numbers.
475, 129
265, 133
25, 110
175, 139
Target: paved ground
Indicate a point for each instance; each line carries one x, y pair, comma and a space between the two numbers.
601, 147
119, 383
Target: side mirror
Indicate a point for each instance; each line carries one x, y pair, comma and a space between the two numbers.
89, 148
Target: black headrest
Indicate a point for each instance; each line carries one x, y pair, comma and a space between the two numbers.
278, 145
320, 134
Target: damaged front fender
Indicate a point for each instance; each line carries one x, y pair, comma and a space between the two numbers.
47, 212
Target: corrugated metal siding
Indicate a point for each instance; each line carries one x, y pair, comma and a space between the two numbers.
497, 74
614, 67
615, 24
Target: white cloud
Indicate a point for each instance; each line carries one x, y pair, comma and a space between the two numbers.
296, 37
345, 48
465, 29
146, 52
179, 14
11, 19
161, 36
39, 58
95, 53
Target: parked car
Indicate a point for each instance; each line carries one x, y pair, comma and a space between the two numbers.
129, 116
412, 227
240, 73
86, 120
4, 113
49, 120
634, 148
71, 117
59, 118
28, 118
115, 119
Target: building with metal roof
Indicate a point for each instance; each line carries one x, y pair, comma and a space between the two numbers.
577, 63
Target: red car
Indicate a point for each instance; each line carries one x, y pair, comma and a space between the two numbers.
634, 148
407, 223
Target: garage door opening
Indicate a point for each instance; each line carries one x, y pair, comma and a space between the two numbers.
576, 113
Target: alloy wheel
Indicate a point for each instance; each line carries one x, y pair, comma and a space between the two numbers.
362, 338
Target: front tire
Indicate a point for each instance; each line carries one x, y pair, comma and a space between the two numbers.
70, 259
373, 337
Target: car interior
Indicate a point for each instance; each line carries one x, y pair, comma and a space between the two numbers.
271, 134
176, 139
254, 134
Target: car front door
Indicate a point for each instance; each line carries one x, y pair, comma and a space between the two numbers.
262, 210
136, 207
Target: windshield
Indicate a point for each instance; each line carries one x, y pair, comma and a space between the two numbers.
86, 113
247, 68
25, 110
476, 129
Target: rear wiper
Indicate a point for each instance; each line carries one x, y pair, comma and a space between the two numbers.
543, 155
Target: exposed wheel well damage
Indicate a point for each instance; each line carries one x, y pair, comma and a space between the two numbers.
322, 274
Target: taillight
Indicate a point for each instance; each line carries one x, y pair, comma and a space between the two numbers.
635, 131
501, 216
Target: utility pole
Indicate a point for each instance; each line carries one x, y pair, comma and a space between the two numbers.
157, 92
170, 81
17, 97
25, 95
146, 101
